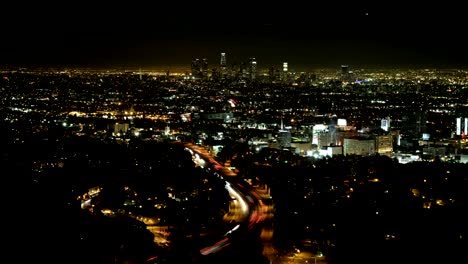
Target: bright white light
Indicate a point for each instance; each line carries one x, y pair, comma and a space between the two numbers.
235, 193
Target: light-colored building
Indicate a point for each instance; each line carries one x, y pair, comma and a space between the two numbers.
384, 144
325, 139
121, 128
359, 146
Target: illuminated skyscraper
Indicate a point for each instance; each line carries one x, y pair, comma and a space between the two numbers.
462, 126
196, 68
274, 73
284, 137
385, 123
204, 67
252, 68
344, 69
199, 68
222, 63
466, 126
345, 73
284, 73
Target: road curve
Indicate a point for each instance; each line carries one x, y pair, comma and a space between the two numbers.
247, 207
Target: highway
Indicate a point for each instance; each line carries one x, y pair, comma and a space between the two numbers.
248, 210
245, 208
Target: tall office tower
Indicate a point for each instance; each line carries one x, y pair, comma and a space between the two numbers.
284, 73
284, 137
344, 69
196, 68
414, 123
385, 124
458, 125
421, 120
344, 73
252, 68
204, 67
274, 73
466, 126
222, 63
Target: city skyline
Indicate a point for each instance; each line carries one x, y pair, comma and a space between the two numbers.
113, 166
306, 36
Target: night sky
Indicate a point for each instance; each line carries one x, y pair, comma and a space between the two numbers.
308, 36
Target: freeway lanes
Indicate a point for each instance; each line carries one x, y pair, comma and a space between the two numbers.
244, 208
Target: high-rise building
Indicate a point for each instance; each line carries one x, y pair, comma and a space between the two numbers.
462, 126
199, 68
273, 73
204, 67
344, 69
466, 126
459, 126
196, 68
324, 139
222, 65
316, 130
284, 137
385, 124
222, 62
345, 75
252, 68
284, 73
384, 144
414, 123
359, 146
